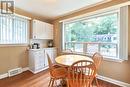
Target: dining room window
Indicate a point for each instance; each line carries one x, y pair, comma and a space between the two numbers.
13, 29
96, 33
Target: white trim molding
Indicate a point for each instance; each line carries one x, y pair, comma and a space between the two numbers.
2, 76
25, 69
5, 75
113, 81
23, 16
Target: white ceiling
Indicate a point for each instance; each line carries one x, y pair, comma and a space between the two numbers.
53, 8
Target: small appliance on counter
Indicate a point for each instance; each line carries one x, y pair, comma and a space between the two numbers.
50, 43
35, 46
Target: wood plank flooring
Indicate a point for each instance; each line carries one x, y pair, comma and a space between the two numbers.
27, 79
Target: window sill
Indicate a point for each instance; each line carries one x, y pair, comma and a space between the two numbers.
12, 45
111, 59
80, 53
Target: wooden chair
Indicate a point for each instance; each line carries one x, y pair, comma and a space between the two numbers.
97, 58
69, 50
81, 74
57, 72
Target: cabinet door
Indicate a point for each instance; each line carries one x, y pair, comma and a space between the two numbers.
51, 53
46, 58
54, 54
39, 29
39, 59
49, 31
31, 61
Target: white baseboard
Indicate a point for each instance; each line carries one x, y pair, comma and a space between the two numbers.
25, 69
5, 75
2, 76
37, 71
113, 81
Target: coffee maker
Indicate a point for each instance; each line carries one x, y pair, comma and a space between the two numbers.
50, 43
35, 46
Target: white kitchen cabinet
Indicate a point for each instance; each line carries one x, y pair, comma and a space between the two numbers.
49, 31
42, 30
38, 59
52, 54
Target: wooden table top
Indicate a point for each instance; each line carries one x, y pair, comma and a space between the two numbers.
68, 60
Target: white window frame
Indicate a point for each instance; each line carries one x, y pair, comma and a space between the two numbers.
123, 30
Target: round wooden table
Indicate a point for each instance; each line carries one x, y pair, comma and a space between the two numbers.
68, 60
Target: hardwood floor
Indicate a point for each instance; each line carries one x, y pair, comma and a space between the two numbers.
27, 79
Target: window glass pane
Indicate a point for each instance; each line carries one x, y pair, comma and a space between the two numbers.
69, 46
93, 33
92, 48
109, 50
79, 48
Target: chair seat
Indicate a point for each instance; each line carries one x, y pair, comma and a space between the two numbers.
56, 66
58, 72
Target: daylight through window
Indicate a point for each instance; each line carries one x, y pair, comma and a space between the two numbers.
95, 34
13, 29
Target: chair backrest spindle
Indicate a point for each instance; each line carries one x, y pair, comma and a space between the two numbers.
97, 58
49, 61
81, 74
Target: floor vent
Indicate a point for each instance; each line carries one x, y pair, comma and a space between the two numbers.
14, 72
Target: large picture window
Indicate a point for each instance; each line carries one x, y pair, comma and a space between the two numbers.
13, 29
98, 33
105, 32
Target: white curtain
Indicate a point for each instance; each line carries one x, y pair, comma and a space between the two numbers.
13, 29
123, 45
